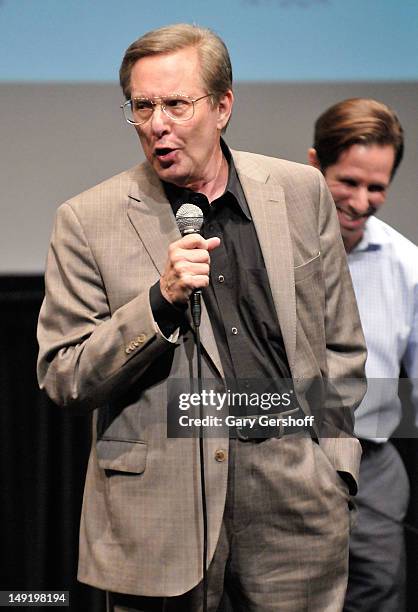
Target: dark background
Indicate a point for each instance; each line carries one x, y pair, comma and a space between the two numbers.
43, 458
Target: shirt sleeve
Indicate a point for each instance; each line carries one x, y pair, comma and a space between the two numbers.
410, 359
167, 316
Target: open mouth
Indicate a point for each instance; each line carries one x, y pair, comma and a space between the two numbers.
161, 151
165, 153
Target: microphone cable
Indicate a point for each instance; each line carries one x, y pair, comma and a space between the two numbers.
202, 472
189, 218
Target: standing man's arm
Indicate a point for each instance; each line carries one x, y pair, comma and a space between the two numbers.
410, 360
87, 352
345, 346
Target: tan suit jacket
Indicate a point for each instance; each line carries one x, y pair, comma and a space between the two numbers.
141, 528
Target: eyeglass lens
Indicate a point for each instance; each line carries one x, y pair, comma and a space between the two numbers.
139, 110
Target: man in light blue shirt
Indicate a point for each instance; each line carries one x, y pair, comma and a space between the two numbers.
358, 145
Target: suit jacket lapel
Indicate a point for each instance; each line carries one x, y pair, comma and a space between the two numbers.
152, 217
266, 201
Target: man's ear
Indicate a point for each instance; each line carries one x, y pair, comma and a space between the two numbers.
225, 105
313, 159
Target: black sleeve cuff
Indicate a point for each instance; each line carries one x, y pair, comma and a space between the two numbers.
167, 316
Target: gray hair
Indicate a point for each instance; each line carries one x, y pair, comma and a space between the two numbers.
216, 70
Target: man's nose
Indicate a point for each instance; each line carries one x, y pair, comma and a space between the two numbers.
360, 200
159, 120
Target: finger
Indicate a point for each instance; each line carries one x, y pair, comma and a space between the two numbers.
192, 255
185, 269
192, 241
212, 243
198, 281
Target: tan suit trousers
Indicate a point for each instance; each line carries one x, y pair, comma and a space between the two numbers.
283, 545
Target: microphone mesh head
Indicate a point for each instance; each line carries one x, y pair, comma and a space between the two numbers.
189, 219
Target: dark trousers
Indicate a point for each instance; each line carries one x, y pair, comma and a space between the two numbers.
377, 550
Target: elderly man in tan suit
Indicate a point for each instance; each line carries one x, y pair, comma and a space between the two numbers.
278, 303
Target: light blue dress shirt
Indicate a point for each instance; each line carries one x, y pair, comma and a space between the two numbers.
384, 269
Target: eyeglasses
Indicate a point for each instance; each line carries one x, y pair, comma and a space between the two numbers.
177, 107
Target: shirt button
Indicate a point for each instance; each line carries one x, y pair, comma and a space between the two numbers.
221, 278
234, 331
220, 455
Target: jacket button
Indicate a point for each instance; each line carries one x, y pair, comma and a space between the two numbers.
220, 454
141, 338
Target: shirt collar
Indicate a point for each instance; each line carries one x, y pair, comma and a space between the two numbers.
373, 238
178, 195
233, 185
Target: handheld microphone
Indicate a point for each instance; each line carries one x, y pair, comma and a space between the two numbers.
189, 218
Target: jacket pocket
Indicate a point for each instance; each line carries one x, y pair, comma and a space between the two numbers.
308, 268
128, 456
